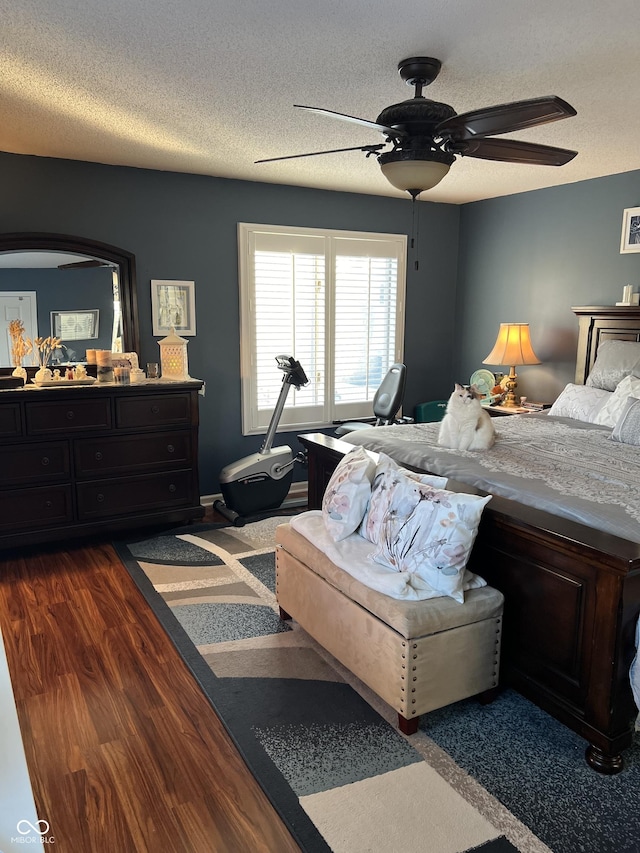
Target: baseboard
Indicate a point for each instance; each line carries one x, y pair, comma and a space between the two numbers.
296, 496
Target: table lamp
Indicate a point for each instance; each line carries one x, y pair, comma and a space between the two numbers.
512, 347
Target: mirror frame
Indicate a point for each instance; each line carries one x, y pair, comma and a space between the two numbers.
123, 260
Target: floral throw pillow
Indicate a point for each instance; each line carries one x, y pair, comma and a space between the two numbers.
392, 483
433, 539
345, 499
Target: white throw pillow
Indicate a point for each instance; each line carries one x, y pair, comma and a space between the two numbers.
627, 429
614, 361
579, 402
393, 483
609, 414
433, 539
345, 499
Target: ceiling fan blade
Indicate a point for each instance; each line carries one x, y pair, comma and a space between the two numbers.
515, 151
505, 118
363, 122
370, 149
82, 264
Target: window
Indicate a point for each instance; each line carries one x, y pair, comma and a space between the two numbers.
332, 299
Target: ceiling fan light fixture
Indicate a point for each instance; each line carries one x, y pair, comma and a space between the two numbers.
427, 135
412, 172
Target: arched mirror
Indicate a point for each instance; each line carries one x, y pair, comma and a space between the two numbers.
79, 290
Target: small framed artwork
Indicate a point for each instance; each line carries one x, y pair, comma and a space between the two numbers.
75, 325
630, 240
173, 306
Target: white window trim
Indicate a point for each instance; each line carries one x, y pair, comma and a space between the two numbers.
291, 419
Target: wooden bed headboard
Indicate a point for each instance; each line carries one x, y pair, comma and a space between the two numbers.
604, 323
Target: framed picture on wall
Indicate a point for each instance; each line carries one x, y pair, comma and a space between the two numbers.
173, 306
630, 240
75, 325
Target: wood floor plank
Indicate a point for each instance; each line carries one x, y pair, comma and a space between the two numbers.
124, 751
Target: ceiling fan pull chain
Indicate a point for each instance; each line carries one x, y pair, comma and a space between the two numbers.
415, 231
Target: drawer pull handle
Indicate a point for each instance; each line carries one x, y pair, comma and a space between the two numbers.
48, 504
155, 410
98, 456
70, 416
170, 448
44, 460
100, 498
172, 488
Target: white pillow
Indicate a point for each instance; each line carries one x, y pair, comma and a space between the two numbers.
433, 539
627, 429
610, 413
614, 361
393, 483
579, 402
345, 499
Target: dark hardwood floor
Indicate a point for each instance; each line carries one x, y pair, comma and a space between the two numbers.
124, 752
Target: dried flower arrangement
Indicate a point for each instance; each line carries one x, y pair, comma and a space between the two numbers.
19, 345
44, 348
40, 349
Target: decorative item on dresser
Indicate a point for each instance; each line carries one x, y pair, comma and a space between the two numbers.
572, 591
79, 460
173, 356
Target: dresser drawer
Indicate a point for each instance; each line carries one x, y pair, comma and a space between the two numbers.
134, 494
63, 416
22, 509
34, 463
152, 410
132, 453
10, 421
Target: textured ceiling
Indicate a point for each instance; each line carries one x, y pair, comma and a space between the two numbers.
208, 86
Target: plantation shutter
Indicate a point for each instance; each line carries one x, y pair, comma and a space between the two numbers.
365, 324
329, 300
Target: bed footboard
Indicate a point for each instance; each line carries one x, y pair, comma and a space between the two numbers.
572, 599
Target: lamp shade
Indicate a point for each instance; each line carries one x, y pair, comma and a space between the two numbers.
512, 346
416, 176
415, 171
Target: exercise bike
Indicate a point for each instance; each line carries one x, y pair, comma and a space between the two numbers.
260, 482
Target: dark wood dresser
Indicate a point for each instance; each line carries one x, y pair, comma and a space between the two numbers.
81, 460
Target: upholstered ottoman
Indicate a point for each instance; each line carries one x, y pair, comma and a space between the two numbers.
415, 655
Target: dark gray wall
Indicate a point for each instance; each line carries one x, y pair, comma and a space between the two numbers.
531, 257
184, 227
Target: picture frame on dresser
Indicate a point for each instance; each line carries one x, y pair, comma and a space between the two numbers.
630, 238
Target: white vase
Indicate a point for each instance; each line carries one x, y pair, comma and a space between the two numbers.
43, 375
20, 372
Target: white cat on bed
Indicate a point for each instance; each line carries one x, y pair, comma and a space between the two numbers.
466, 425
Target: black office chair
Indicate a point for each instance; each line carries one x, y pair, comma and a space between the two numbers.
386, 403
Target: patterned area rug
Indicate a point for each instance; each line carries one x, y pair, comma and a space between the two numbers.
497, 778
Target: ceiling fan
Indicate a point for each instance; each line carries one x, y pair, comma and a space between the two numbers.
426, 136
